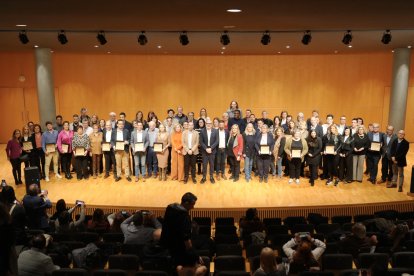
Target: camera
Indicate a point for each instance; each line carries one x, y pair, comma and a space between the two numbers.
80, 202
3, 183
303, 235
145, 212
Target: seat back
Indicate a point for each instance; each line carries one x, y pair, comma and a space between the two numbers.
126, 262
229, 263
336, 261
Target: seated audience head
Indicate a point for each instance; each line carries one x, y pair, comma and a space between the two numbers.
138, 218
33, 190
268, 260
98, 215
359, 230
251, 213
39, 241
7, 196
188, 200
60, 205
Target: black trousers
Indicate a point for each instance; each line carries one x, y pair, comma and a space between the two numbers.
39, 160
263, 164
313, 171
345, 168
373, 159
66, 160
324, 161
110, 160
234, 166
208, 159
220, 165
331, 163
190, 164
16, 169
386, 169
294, 167
81, 166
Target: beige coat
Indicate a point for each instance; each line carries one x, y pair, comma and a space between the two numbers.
288, 147
194, 142
96, 143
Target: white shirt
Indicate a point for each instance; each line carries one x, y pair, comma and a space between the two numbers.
263, 141
119, 135
88, 130
208, 137
108, 136
375, 137
388, 139
190, 139
139, 136
222, 139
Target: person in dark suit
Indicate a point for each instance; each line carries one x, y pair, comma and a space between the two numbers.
263, 158
209, 140
386, 164
345, 156
399, 149
121, 155
109, 155
313, 125
35, 205
373, 157
223, 137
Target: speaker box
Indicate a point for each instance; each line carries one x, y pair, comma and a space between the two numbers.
411, 193
31, 176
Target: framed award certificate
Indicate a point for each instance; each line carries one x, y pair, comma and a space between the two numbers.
120, 145
65, 148
158, 147
139, 147
50, 148
375, 146
330, 149
27, 146
79, 151
264, 149
296, 153
106, 146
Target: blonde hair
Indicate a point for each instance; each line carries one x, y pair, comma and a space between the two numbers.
253, 130
238, 129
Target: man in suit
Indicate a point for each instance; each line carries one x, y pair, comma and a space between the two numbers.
190, 139
35, 205
386, 164
109, 155
127, 125
139, 137
263, 159
209, 140
221, 151
373, 157
315, 126
120, 134
399, 149
342, 125
34, 262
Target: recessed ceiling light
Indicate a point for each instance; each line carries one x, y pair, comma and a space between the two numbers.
234, 10
229, 27
392, 51
108, 52
21, 25
336, 51
409, 46
36, 46
96, 46
52, 51
349, 46
279, 52
287, 46
159, 46
223, 48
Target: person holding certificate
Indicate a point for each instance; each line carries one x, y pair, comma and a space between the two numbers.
139, 145
331, 144
208, 141
64, 145
120, 142
296, 149
108, 149
264, 144
27, 143
345, 156
374, 152
95, 140
177, 159
49, 140
14, 151
360, 146
313, 158
80, 146
190, 142
161, 145
38, 157
235, 152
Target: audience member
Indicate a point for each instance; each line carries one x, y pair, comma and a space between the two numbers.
36, 203
268, 264
98, 222
8, 257
140, 227
358, 240
64, 221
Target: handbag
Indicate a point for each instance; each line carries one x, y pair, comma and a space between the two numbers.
24, 157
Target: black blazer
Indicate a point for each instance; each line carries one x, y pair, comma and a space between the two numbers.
214, 140
386, 149
400, 152
249, 142
270, 142
126, 136
347, 146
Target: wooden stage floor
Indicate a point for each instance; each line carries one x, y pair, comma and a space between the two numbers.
222, 195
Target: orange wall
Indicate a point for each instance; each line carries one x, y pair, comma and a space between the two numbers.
354, 85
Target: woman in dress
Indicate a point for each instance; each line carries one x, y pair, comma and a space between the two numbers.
164, 138
177, 158
95, 141
81, 140
235, 151
361, 144
13, 152
64, 145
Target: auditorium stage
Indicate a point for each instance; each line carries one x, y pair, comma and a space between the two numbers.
276, 198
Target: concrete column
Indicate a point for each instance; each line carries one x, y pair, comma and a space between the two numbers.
399, 88
45, 85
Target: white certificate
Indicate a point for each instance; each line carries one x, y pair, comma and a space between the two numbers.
264, 149
50, 148
27, 146
79, 151
139, 147
106, 146
296, 153
330, 150
375, 146
120, 145
158, 147
65, 148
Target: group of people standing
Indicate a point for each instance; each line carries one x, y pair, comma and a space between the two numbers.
180, 143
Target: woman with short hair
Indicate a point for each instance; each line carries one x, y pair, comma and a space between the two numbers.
295, 145
81, 140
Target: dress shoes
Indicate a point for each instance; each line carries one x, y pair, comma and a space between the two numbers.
129, 179
185, 180
106, 176
212, 180
392, 185
203, 180
194, 180
400, 189
382, 181
224, 176
117, 179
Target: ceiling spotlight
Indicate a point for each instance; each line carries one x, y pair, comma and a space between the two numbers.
101, 38
265, 38
347, 38
23, 37
225, 39
142, 39
307, 38
386, 37
184, 38
62, 37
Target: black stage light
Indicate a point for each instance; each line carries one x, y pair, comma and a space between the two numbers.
265, 38
386, 37
184, 39
307, 38
142, 39
347, 38
101, 38
225, 39
23, 37
62, 37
